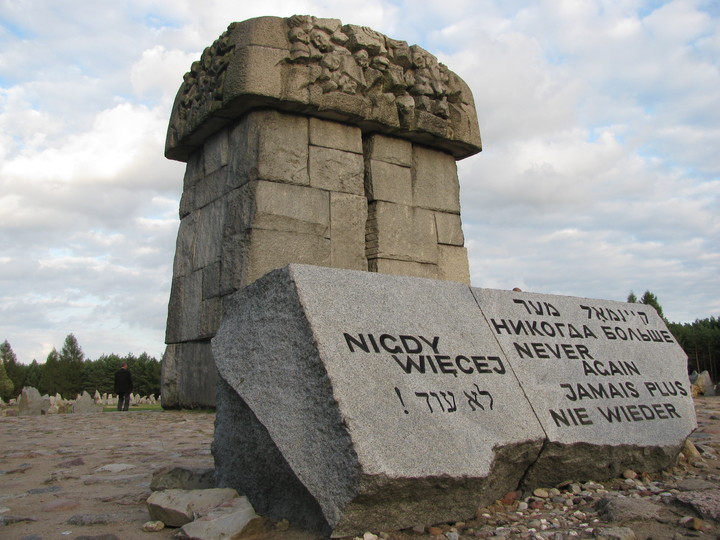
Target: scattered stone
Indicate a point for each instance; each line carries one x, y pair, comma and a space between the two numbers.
706, 502
50, 489
182, 478
695, 484
60, 505
92, 519
434, 530
9, 520
19, 469
615, 533
115, 467
32, 403
629, 474
85, 404
72, 463
542, 493
690, 452
693, 523
624, 508
229, 520
153, 526
176, 507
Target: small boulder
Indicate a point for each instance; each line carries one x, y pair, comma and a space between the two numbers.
176, 507
233, 519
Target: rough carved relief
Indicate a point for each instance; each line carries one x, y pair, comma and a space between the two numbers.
321, 67
357, 60
202, 88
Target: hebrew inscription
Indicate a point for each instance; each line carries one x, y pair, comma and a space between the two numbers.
592, 365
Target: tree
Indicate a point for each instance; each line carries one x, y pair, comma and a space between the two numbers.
32, 375
14, 370
71, 367
6, 385
50, 377
632, 299
650, 299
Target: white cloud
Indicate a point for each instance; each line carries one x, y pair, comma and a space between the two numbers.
599, 172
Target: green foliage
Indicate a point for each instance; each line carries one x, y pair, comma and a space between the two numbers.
71, 366
14, 370
6, 385
69, 373
650, 299
32, 375
701, 342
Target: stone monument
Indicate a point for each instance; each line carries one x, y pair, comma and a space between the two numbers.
308, 141
351, 401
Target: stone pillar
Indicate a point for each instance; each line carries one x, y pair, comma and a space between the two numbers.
308, 141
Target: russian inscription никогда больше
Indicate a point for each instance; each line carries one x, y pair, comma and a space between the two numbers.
599, 375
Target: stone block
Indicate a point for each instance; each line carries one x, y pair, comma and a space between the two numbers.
85, 404
261, 31
368, 377
286, 207
215, 151
449, 229
269, 250
176, 507
31, 403
170, 374
348, 215
209, 224
389, 149
255, 78
453, 264
403, 268
209, 318
336, 170
270, 145
435, 180
607, 381
188, 375
213, 186
185, 247
388, 182
211, 280
234, 267
335, 135
233, 519
403, 232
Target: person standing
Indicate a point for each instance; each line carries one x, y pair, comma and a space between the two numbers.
123, 387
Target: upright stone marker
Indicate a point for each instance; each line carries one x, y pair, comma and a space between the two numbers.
308, 141
607, 380
351, 401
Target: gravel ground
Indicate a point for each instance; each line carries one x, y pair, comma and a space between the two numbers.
78, 476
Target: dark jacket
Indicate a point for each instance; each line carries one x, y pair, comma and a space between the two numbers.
123, 381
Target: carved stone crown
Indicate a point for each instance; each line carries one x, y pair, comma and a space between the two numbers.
320, 67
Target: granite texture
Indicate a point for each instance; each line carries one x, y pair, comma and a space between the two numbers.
607, 380
337, 380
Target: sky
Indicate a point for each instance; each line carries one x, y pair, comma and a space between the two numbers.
599, 175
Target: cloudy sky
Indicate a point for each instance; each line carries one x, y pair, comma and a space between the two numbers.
600, 172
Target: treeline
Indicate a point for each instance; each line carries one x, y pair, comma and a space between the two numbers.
701, 342
700, 339
69, 373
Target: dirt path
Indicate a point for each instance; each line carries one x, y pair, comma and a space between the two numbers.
67, 472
